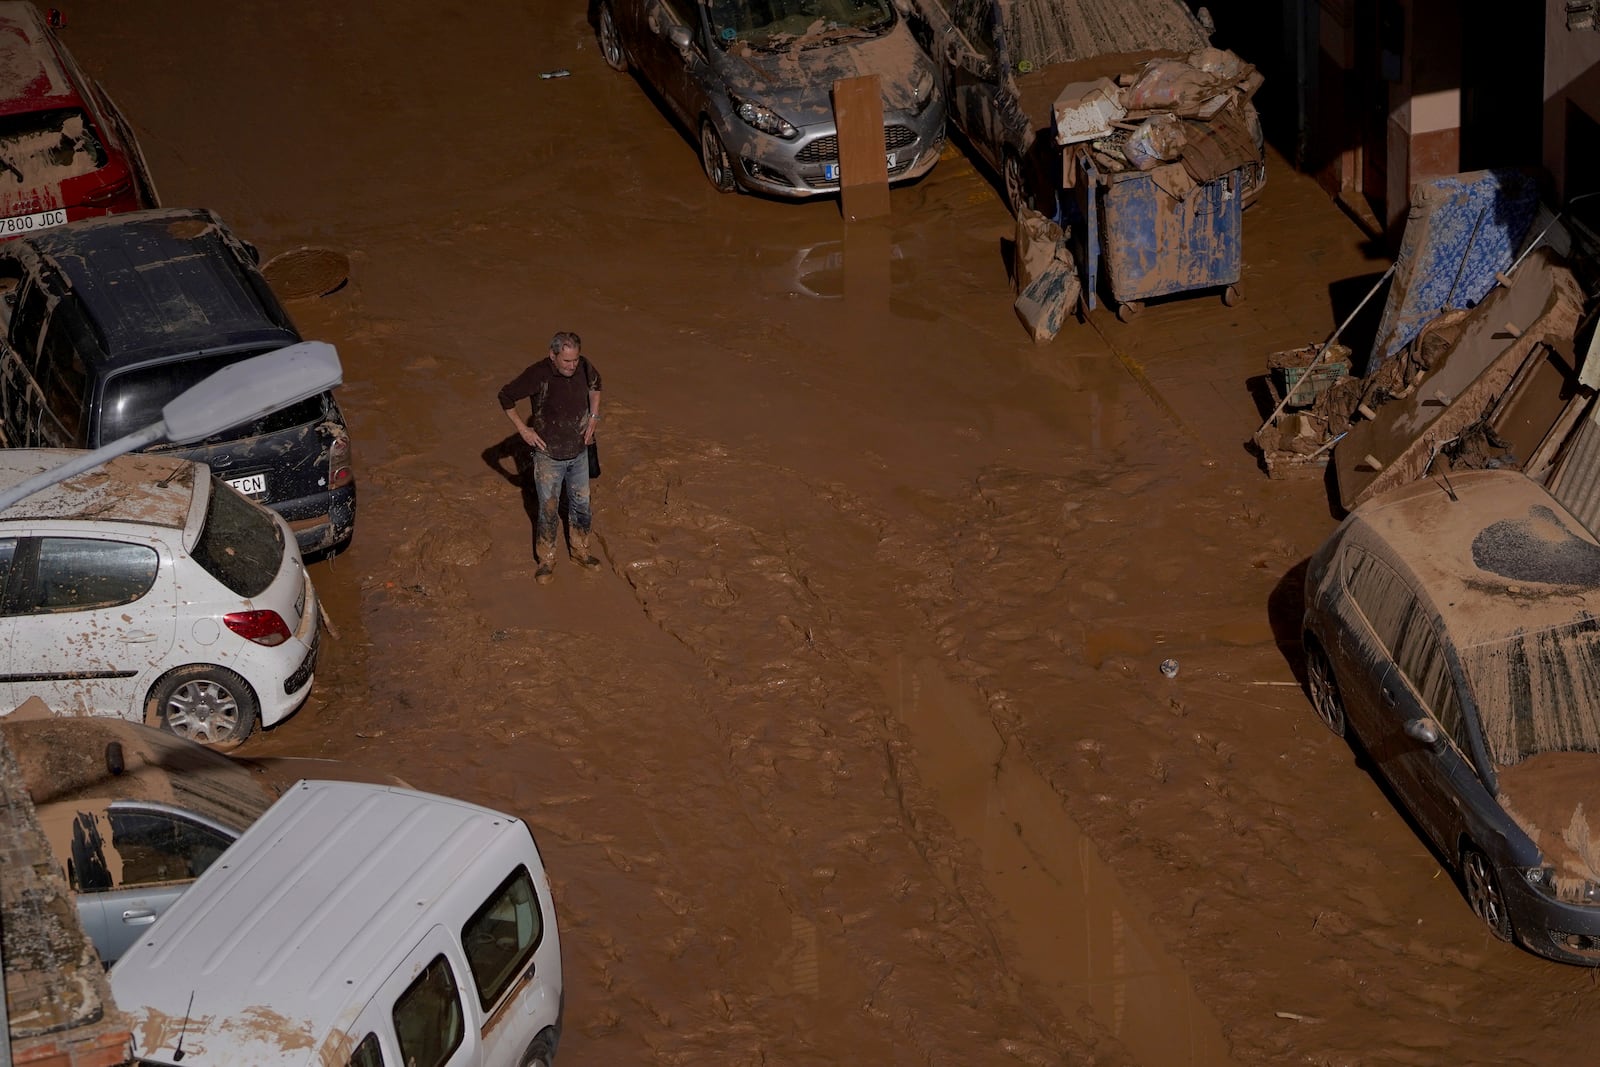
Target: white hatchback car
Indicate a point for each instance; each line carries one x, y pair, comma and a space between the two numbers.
149, 589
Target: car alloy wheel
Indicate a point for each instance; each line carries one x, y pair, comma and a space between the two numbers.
209, 705
1323, 688
610, 41
714, 158
1482, 887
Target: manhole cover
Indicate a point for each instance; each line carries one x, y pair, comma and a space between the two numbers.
306, 272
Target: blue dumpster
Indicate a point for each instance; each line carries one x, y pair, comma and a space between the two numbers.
1150, 243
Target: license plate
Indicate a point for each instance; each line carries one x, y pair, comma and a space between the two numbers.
250, 485
43, 220
830, 171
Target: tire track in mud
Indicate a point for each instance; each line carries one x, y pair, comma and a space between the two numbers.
777, 585
1203, 792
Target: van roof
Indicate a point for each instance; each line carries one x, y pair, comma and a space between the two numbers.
284, 940
32, 75
1492, 550
151, 490
162, 282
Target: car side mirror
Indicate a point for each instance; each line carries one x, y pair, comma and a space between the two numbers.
1424, 730
679, 36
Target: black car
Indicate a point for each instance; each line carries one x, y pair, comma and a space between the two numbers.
104, 321
1453, 627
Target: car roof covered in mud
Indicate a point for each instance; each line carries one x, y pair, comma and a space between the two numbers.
1043, 32
32, 75
160, 282
67, 769
285, 939
1493, 551
151, 490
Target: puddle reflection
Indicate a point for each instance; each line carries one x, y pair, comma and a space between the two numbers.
1075, 930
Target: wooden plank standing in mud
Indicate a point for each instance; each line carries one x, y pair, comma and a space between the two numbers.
863, 168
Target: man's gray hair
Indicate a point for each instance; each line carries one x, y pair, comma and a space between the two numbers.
565, 339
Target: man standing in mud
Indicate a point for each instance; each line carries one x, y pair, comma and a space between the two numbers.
565, 393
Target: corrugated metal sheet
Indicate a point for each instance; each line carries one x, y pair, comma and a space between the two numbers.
1042, 32
1576, 482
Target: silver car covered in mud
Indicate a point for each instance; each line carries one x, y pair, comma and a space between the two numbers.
752, 81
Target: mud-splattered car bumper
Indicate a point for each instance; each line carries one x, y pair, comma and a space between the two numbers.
321, 522
1550, 927
808, 165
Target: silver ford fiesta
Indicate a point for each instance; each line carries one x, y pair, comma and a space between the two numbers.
752, 80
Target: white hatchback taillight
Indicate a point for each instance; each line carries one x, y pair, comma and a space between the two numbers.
262, 627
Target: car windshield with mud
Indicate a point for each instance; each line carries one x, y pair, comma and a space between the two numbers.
752, 80
1452, 630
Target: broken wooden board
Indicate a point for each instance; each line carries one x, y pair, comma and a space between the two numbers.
863, 167
1543, 307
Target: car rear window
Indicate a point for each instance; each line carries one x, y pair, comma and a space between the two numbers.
133, 400
240, 546
47, 146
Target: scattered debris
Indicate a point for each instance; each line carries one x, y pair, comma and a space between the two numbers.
1169, 667
562, 72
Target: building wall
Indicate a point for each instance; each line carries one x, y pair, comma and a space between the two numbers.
1571, 103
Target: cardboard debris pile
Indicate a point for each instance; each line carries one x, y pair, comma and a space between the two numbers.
1048, 286
1191, 113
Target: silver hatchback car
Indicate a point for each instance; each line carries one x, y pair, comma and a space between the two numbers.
752, 81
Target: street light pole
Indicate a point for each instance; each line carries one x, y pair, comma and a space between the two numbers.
236, 394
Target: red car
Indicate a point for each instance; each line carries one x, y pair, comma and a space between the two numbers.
66, 153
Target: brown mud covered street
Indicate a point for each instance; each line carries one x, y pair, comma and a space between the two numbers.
855, 750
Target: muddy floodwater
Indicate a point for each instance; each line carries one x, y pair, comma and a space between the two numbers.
855, 750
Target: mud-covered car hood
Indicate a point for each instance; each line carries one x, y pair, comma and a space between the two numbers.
1555, 798
798, 83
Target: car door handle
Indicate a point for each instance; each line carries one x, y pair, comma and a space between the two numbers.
138, 637
138, 917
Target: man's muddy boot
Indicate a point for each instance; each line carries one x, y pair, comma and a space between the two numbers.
546, 571
581, 554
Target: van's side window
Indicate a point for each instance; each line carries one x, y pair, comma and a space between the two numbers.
367, 1054
427, 1017
501, 936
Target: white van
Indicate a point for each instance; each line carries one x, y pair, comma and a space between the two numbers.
357, 925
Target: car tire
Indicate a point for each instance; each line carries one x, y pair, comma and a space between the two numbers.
1323, 688
1015, 181
209, 705
714, 158
1482, 889
610, 40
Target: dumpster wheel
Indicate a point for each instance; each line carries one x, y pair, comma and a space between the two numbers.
1129, 311
1230, 296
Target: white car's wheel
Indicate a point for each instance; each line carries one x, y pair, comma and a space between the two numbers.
210, 705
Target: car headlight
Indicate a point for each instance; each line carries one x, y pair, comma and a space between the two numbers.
1571, 890
921, 90
765, 119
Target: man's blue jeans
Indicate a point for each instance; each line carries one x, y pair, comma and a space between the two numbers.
549, 475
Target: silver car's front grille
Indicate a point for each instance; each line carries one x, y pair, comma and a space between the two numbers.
826, 149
